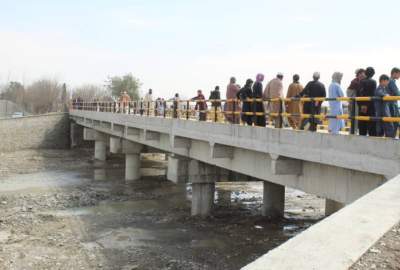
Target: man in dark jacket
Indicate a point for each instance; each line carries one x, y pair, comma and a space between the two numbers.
313, 89
246, 95
367, 108
215, 95
201, 105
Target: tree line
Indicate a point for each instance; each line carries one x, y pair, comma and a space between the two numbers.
49, 95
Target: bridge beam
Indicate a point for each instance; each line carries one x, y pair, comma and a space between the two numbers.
273, 200
132, 159
177, 170
203, 178
285, 166
115, 145
88, 134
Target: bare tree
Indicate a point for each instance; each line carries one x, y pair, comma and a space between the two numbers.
43, 96
90, 92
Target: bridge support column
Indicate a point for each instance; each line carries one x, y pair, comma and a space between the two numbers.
177, 170
76, 135
332, 206
132, 160
273, 200
100, 146
203, 178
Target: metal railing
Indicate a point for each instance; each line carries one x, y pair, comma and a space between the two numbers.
218, 110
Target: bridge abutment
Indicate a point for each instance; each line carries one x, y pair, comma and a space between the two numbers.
273, 200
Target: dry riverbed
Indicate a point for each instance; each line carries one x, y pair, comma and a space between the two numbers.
61, 210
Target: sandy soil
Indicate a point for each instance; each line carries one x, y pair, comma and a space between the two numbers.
61, 210
385, 254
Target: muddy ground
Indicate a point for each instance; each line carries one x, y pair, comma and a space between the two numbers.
61, 210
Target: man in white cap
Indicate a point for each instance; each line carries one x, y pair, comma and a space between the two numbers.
313, 89
274, 89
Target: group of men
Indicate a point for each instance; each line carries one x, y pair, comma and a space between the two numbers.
253, 112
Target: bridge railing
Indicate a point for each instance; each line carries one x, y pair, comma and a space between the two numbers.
230, 110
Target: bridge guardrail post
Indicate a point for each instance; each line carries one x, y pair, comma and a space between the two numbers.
280, 118
187, 109
215, 112
353, 122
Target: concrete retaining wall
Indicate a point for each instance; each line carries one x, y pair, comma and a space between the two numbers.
41, 131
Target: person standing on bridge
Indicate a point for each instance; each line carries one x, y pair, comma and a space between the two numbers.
148, 101
274, 89
124, 102
246, 96
258, 105
201, 105
367, 108
293, 107
354, 91
394, 91
336, 108
313, 89
382, 108
232, 106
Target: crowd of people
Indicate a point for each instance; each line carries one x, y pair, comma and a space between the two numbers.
363, 85
252, 102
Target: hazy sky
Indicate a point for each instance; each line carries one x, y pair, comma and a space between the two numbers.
180, 46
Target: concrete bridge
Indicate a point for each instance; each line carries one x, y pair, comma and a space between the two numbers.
336, 167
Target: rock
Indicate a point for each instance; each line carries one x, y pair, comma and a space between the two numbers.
3, 202
374, 250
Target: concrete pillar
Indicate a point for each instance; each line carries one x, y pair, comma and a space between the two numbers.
100, 146
76, 135
202, 198
132, 167
203, 178
224, 197
132, 152
100, 150
332, 206
273, 200
177, 170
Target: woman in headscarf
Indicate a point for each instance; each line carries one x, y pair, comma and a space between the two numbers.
244, 95
336, 108
293, 107
232, 106
259, 117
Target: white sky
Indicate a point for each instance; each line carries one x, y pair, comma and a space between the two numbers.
181, 46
